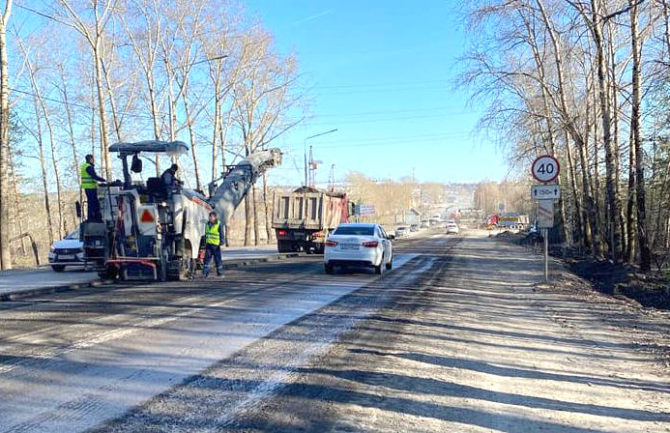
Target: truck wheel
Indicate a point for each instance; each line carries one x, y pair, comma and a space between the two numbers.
284, 246
108, 273
58, 268
330, 270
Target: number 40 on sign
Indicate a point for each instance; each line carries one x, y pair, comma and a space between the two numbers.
545, 168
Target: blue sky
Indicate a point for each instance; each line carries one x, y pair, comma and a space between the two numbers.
381, 72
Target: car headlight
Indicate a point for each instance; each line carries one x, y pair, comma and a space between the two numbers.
52, 249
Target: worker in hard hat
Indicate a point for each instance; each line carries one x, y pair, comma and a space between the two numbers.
89, 183
214, 239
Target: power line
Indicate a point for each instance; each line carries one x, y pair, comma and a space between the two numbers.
392, 89
368, 121
414, 110
386, 84
349, 144
413, 138
75, 104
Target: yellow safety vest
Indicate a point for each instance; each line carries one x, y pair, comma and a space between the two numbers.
87, 182
212, 236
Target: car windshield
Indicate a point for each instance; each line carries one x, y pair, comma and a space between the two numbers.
73, 235
357, 231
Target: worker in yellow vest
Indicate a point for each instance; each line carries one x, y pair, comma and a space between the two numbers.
89, 183
214, 239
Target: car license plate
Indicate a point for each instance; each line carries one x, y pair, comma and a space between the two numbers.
65, 257
349, 246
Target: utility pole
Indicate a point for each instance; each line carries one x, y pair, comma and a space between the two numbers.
312, 167
331, 178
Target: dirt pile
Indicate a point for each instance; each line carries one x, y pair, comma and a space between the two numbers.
650, 290
617, 279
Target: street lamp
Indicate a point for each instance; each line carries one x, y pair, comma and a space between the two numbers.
305, 149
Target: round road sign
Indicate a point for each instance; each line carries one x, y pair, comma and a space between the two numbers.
545, 168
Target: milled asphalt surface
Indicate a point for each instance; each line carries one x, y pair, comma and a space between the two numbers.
71, 360
460, 338
18, 281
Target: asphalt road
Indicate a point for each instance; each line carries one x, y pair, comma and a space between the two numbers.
70, 361
459, 337
23, 280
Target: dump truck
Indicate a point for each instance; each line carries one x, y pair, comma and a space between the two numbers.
152, 231
303, 218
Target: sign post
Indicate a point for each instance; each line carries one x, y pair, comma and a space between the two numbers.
545, 221
545, 169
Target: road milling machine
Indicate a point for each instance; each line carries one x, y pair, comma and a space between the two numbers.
150, 231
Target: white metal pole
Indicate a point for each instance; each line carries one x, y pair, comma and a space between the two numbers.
546, 255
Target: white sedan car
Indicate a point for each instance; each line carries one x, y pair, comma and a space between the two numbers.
452, 229
359, 245
69, 251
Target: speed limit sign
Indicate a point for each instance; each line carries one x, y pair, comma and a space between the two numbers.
545, 168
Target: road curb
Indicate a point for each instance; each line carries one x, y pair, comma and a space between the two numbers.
15, 296
228, 264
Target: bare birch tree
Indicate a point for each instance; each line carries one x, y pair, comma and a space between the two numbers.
5, 252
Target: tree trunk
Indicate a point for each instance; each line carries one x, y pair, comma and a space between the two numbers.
268, 225
217, 123
645, 255
247, 220
41, 109
112, 103
54, 164
595, 186
254, 208
224, 136
104, 141
93, 128
154, 120
70, 130
613, 203
550, 129
572, 182
614, 104
191, 134
5, 252
45, 184
631, 227
16, 198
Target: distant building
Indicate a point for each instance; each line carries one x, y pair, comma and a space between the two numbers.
408, 217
